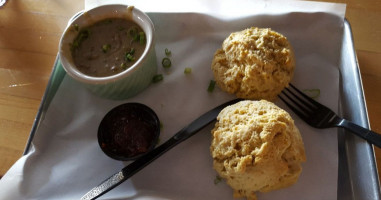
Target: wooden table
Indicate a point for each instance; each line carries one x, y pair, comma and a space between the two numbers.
29, 37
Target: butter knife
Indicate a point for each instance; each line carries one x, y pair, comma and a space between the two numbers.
143, 161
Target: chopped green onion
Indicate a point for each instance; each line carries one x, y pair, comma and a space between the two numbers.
166, 62
211, 86
157, 78
167, 52
136, 37
129, 57
142, 38
133, 31
123, 66
313, 93
106, 48
82, 35
76, 27
74, 45
132, 51
187, 70
218, 180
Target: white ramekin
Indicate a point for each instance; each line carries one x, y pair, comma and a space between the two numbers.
124, 84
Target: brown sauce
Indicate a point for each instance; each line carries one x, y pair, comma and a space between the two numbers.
108, 47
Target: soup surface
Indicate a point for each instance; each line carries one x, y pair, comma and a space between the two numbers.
108, 47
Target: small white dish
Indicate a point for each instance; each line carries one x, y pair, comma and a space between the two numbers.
126, 83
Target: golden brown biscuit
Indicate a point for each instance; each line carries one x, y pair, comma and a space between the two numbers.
254, 63
256, 147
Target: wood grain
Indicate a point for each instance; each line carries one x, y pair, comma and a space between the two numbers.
29, 35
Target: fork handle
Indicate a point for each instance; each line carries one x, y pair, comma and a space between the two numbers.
364, 133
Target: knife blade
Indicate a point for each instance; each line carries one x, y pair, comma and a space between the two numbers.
143, 161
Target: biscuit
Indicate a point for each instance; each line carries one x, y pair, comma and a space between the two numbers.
256, 63
256, 147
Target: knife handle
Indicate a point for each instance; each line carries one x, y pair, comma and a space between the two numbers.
105, 186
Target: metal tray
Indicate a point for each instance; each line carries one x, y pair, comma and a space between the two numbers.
358, 176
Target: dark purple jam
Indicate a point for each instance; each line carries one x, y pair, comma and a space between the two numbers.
128, 131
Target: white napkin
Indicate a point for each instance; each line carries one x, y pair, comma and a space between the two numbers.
66, 161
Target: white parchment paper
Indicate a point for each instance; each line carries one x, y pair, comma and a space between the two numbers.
66, 162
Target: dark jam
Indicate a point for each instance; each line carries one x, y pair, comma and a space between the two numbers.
128, 131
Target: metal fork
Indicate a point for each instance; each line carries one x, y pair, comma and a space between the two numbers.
320, 116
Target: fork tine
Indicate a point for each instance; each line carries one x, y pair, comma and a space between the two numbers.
305, 96
302, 102
293, 108
298, 102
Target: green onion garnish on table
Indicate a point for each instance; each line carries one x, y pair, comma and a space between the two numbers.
218, 180
167, 52
211, 86
157, 78
187, 70
313, 93
166, 62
